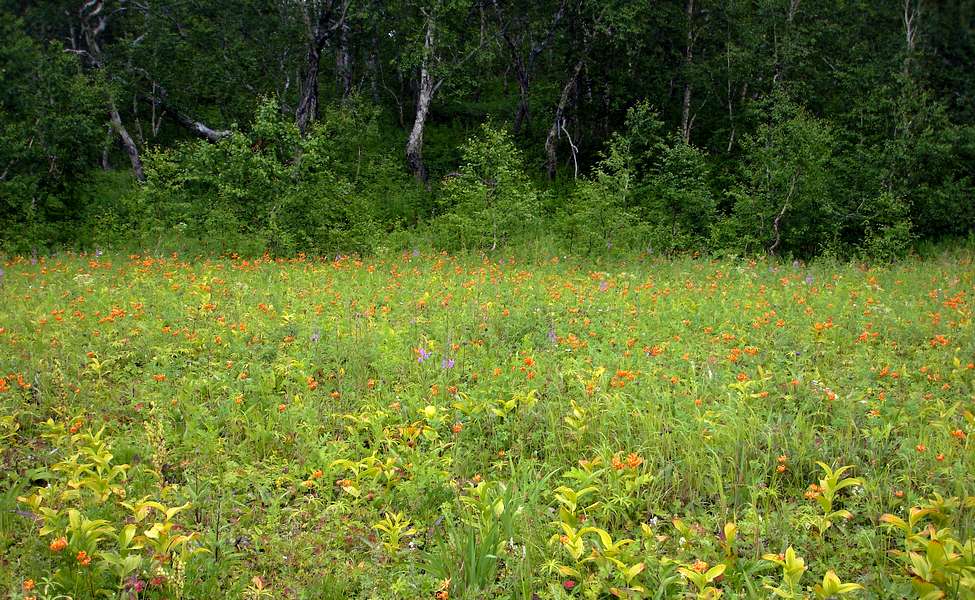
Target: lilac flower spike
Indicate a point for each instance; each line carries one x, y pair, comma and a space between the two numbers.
423, 355
447, 363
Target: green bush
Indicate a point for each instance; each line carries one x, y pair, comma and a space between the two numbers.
50, 135
491, 199
888, 232
784, 203
275, 191
599, 212
679, 206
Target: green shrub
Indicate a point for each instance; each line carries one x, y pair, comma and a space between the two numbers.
784, 204
888, 232
599, 212
274, 191
679, 207
490, 199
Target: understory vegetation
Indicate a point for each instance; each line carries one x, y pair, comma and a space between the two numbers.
841, 128
432, 425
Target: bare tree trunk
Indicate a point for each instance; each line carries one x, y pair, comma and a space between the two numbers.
106, 165
521, 114
551, 145
778, 218
343, 63
428, 87
127, 142
911, 18
414, 144
93, 24
308, 105
198, 128
319, 35
685, 116
524, 68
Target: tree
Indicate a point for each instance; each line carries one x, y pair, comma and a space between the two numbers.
52, 122
785, 203
525, 40
322, 19
445, 49
93, 18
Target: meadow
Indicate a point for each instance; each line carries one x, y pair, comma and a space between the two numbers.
424, 425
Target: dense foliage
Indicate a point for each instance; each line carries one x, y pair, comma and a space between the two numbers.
786, 127
419, 425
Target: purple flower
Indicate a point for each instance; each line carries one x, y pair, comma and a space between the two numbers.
98, 253
315, 336
447, 363
603, 285
416, 252
135, 584
551, 335
809, 279
2, 273
422, 355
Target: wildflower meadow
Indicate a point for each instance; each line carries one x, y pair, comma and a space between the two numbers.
426, 425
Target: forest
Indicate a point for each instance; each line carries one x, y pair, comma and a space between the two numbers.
793, 128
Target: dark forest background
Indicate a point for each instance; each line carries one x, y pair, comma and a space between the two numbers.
788, 127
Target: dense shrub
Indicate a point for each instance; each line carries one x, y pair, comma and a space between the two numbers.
645, 190
784, 203
273, 190
679, 206
600, 212
490, 199
49, 134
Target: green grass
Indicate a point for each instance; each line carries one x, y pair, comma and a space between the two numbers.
512, 421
